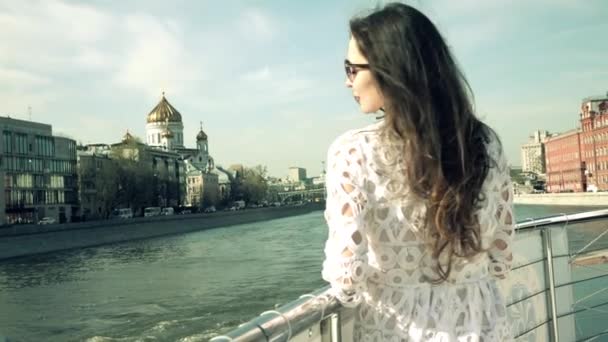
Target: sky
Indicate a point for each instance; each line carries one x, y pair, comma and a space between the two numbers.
266, 77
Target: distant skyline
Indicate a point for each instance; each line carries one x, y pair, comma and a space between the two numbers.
266, 77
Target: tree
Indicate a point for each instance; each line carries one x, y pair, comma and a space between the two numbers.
137, 184
253, 184
106, 184
138, 187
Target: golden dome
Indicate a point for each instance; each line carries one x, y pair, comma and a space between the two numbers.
164, 112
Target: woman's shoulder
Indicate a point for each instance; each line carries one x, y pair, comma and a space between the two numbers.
356, 138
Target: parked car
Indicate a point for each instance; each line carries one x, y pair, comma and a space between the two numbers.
125, 213
152, 211
239, 204
210, 209
168, 211
47, 220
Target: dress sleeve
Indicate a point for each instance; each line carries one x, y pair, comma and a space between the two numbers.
500, 251
345, 262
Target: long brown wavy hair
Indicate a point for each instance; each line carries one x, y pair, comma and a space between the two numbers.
429, 104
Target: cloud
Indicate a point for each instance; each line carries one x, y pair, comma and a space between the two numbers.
257, 25
261, 74
21, 89
15, 102
86, 128
47, 36
474, 25
15, 78
134, 51
278, 90
90, 58
476, 9
53, 19
156, 57
76, 22
139, 52
468, 37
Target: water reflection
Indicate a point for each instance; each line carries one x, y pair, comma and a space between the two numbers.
145, 251
41, 270
72, 265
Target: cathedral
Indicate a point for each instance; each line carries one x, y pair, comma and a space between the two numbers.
204, 185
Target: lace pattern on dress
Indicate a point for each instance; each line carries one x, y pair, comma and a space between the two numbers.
377, 260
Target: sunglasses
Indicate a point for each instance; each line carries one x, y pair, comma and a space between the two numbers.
352, 69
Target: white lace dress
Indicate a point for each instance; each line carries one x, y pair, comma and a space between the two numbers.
377, 261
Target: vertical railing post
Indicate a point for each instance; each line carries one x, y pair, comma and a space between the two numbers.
546, 234
336, 327
331, 328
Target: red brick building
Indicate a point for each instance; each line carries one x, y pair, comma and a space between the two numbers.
565, 168
594, 141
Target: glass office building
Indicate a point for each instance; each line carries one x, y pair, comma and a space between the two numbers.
39, 174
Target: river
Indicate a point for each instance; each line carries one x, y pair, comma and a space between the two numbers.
179, 288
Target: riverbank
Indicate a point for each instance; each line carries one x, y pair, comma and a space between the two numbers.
17, 241
591, 199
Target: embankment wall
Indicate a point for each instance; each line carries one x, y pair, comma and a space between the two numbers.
23, 240
571, 199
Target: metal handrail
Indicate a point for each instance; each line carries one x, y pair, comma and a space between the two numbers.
562, 219
288, 320
299, 315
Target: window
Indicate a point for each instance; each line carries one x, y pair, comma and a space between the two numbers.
45, 146
8, 143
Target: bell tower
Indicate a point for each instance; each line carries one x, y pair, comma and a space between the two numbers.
201, 159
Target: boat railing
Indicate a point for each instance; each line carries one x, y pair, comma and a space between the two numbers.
555, 292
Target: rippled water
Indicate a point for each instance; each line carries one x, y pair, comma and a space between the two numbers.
179, 288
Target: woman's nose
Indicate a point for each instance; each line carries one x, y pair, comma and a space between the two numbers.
348, 83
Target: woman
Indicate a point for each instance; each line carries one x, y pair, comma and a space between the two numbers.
419, 205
